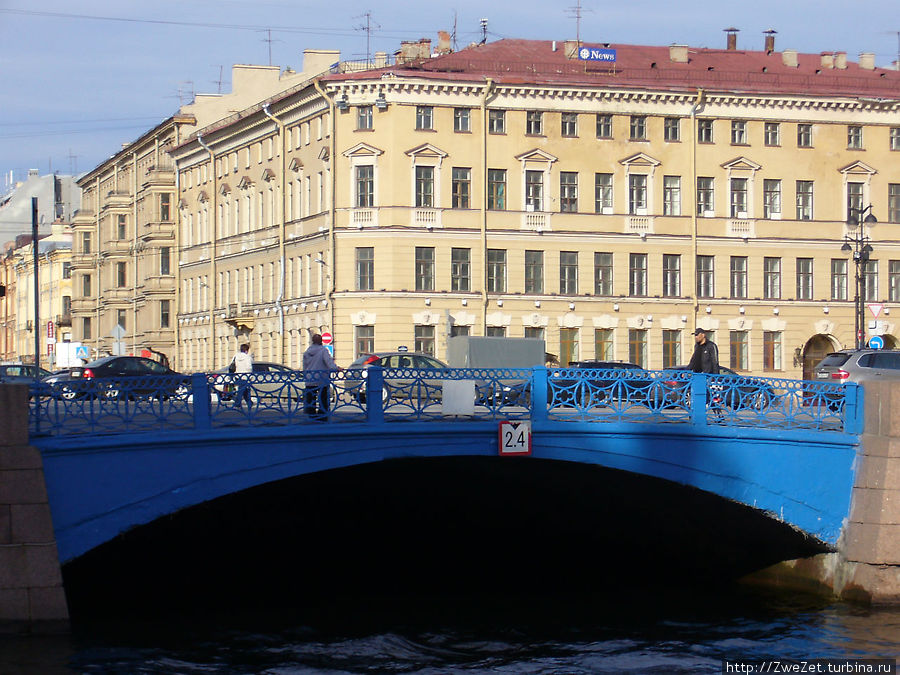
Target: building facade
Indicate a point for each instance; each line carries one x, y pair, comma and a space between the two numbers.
521, 188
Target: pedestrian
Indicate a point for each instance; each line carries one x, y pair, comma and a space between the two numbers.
242, 365
705, 358
317, 367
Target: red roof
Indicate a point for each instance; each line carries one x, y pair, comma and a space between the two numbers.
515, 61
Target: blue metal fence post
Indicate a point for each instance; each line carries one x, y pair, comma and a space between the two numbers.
854, 422
374, 388
539, 394
200, 393
698, 399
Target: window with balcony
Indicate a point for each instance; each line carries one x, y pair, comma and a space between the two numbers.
496, 197
671, 275
604, 126
603, 192
854, 198
460, 269
706, 276
365, 186
534, 272
568, 273
568, 191
637, 194
739, 198
365, 268
496, 270
424, 186
804, 278
772, 278
603, 274
569, 124
637, 274
461, 187
534, 123
534, 190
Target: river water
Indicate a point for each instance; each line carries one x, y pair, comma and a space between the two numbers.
633, 632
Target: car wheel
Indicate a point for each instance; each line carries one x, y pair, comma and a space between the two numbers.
68, 394
385, 394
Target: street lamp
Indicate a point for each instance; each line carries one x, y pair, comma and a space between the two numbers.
858, 243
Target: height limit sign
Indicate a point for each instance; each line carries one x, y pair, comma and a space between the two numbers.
514, 439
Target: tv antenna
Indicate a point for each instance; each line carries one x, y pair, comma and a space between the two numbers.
218, 82
578, 13
73, 162
269, 39
484, 25
368, 27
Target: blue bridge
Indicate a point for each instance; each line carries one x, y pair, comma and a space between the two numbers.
123, 454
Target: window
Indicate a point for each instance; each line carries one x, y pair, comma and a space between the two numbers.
868, 280
164, 313
706, 277
86, 328
738, 197
603, 344
165, 261
67, 270
364, 340
568, 273
534, 123
461, 185
121, 276
603, 192
496, 331
804, 278
705, 203
165, 206
772, 134
895, 138
804, 135
894, 280
463, 330
121, 318
838, 279
534, 271
637, 347
738, 132
424, 186
772, 278
460, 269
854, 137
804, 200
534, 190
535, 333
67, 305
672, 195
569, 124
671, 275
637, 274
121, 229
496, 197
739, 343
496, 269
497, 121
637, 194
604, 126
672, 129
365, 186
364, 117
568, 346
365, 268
854, 199
771, 350
894, 203
738, 276
86, 242
603, 274
704, 131
424, 340
424, 268
568, 191
424, 117
462, 120
772, 198
86, 285
638, 127
671, 348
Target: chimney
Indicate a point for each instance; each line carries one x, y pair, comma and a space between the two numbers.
827, 60
789, 58
867, 61
840, 60
570, 49
443, 46
678, 53
770, 40
412, 51
380, 59
732, 39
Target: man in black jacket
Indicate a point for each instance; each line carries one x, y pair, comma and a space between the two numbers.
705, 358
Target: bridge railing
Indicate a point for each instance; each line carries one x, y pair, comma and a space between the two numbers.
376, 396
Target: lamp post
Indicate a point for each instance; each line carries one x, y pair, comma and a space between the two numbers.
858, 243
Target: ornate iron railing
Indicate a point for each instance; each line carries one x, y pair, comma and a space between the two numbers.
386, 396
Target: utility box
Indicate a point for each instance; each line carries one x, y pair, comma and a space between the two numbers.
465, 351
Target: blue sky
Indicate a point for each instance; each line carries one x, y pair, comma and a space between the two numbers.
81, 78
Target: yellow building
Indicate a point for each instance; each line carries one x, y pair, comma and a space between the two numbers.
607, 198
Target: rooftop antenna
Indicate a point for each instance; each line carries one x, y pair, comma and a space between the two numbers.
576, 12
269, 39
453, 34
484, 23
368, 28
219, 81
73, 163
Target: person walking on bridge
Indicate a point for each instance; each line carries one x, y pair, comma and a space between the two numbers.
242, 364
705, 358
317, 364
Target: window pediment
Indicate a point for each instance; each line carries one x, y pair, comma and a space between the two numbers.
245, 182
324, 154
640, 159
225, 189
858, 168
203, 196
536, 155
267, 175
295, 164
742, 164
426, 150
362, 150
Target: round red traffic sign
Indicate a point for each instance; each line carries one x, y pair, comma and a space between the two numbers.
327, 338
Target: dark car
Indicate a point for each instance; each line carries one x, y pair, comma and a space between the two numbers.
398, 383
18, 373
738, 392
118, 377
608, 384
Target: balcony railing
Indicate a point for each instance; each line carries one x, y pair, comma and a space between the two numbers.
424, 217
536, 221
64, 319
742, 227
639, 224
364, 218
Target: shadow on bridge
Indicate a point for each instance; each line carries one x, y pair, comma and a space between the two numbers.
451, 525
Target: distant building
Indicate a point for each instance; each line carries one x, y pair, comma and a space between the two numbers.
58, 198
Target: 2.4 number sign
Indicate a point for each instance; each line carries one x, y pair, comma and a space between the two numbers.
515, 438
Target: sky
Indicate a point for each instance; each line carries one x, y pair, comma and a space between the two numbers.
80, 78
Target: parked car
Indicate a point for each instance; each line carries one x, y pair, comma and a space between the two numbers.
397, 384
633, 386
746, 393
859, 366
224, 382
118, 377
19, 373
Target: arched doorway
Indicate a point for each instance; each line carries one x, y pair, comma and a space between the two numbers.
814, 351
890, 342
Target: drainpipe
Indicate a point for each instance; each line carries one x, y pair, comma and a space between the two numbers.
331, 206
698, 102
134, 252
279, 301
488, 89
96, 288
212, 253
176, 258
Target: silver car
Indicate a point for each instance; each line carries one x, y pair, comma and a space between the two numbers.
859, 365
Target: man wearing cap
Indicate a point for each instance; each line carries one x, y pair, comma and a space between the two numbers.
705, 358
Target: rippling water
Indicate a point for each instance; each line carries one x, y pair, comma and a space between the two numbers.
631, 633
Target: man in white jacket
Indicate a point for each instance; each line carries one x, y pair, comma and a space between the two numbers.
243, 365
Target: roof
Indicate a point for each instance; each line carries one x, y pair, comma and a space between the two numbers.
544, 62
